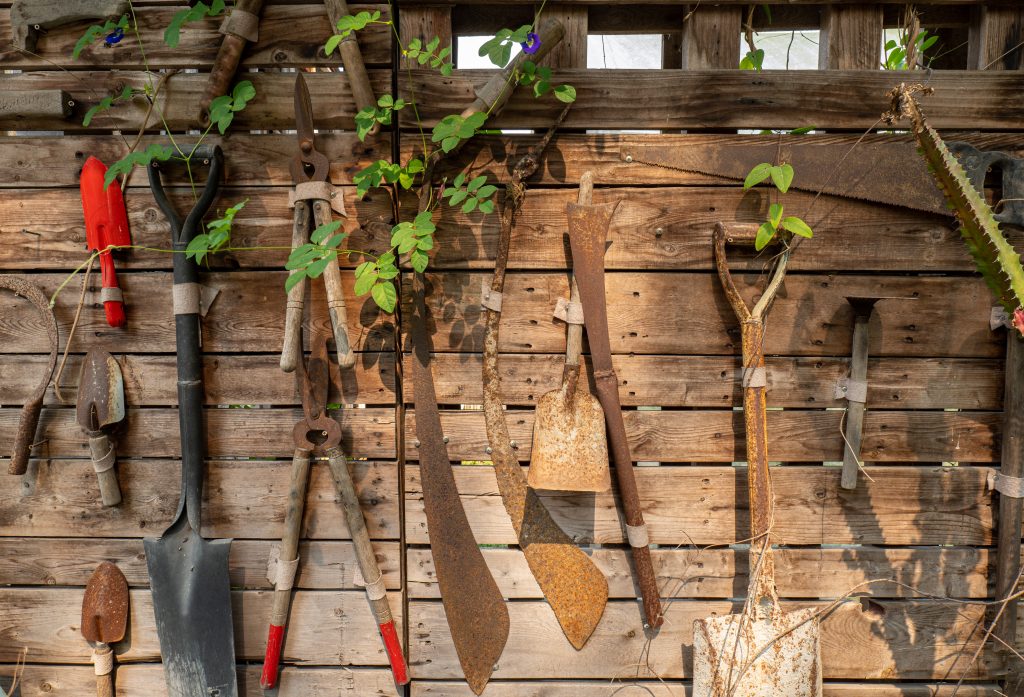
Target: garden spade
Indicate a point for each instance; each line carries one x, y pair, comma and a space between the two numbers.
570, 450
762, 652
104, 620
101, 404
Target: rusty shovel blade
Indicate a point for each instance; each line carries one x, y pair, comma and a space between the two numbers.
570, 451
105, 605
100, 392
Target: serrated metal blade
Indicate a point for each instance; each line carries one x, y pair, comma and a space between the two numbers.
886, 171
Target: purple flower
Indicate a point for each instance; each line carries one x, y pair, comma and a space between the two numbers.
532, 44
114, 37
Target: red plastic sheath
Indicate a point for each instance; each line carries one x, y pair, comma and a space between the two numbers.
394, 650
106, 223
275, 637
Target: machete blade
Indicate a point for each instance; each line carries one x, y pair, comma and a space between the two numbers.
100, 391
105, 605
888, 171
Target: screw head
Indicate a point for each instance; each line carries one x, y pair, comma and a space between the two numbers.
488, 450
416, 443
629, 158
445, 439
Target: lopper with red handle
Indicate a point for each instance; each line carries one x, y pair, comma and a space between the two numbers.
106, 225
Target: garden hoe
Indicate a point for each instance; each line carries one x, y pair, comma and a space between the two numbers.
762, 652
104, 621
188, 574
101, 404
570, 451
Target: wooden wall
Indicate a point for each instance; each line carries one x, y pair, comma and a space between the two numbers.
924, 517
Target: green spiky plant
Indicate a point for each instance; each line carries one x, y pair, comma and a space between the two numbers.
996, 259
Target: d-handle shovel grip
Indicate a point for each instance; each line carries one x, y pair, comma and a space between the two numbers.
103, 458
368, 564
26, 435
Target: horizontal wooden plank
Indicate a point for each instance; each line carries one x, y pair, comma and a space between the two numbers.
242, 499
724, 573
707, 505
810, 316
244, 432
651, 688
247, 316
45, 229
46, 621
54, 561
855, 644
710, 381
717, 436
258, 160
717, 2
244, 379
723, 99
148, 679
289, 36
272, 108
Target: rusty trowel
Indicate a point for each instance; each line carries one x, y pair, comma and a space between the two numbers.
101, 404
104, 621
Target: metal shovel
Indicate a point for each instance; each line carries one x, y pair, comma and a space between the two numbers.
189, 575
101, 404
570, 450
763, 652
104, 621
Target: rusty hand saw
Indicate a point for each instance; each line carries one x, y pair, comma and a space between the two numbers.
879, 168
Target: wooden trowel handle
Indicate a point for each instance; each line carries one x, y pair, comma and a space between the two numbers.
574, 334
103, 660
103, 457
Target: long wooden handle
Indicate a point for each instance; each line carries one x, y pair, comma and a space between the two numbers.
226, 64
103, 658
26, 436
368, 563
335, 294
103, 456
297, 295
288, 553
855, 410
352, 59
574, 332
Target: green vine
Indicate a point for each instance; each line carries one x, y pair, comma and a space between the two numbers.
776, 225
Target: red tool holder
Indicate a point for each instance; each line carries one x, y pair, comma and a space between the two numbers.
106, 225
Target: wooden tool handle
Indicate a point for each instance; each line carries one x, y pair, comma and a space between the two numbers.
103, 661
223, 73
103, 456
114, 309
855, 409
26, 435
574, 332
367, 563
335, 294
105, 685
297, 295
289, 552
352, 59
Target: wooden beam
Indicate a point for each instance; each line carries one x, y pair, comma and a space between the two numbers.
571, 51
424, 22
995, 38
711, 37
851, 37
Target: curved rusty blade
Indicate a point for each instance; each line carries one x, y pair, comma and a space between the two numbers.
100, 391
105, 605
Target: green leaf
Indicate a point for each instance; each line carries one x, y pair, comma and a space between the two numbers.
91, 35
469, 206
803, 130
366, 266
244, 92
406, 245
486, 207
753, 60
104, 104
775, 214
324, 231
459, 196
294, 279
366, 281
459, 180
387, 273
172, 35
425, 243
224, 122
565, 93
319, 266
765, 233
419, 260
424, 221
757, 175
446, 69
797, 226
782, 176
414, 166
486, 191
198, 248
476, 183
450, 143
385, 296
332, 43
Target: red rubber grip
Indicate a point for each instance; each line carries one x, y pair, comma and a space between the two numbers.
114, 309
275, 637
394, 651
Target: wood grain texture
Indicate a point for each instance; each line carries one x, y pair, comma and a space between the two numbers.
240, 379
148, 679
995, 37
320, 622
850, 38
243, 432
424, 23
711, 381
243, 499
571, 51
247, 316
626, 687
854, 643
810, 316
326, 564
721, 573
711, 37
289, 36
707, 505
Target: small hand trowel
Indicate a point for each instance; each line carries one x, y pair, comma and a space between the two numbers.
101, 404
570, 450
104, 621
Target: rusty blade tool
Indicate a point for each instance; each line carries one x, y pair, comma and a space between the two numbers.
764, 651
573, 585
101, 404
352, 59
314, 197
104, 621
241, 26
30, 18
588, 229
30, 412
